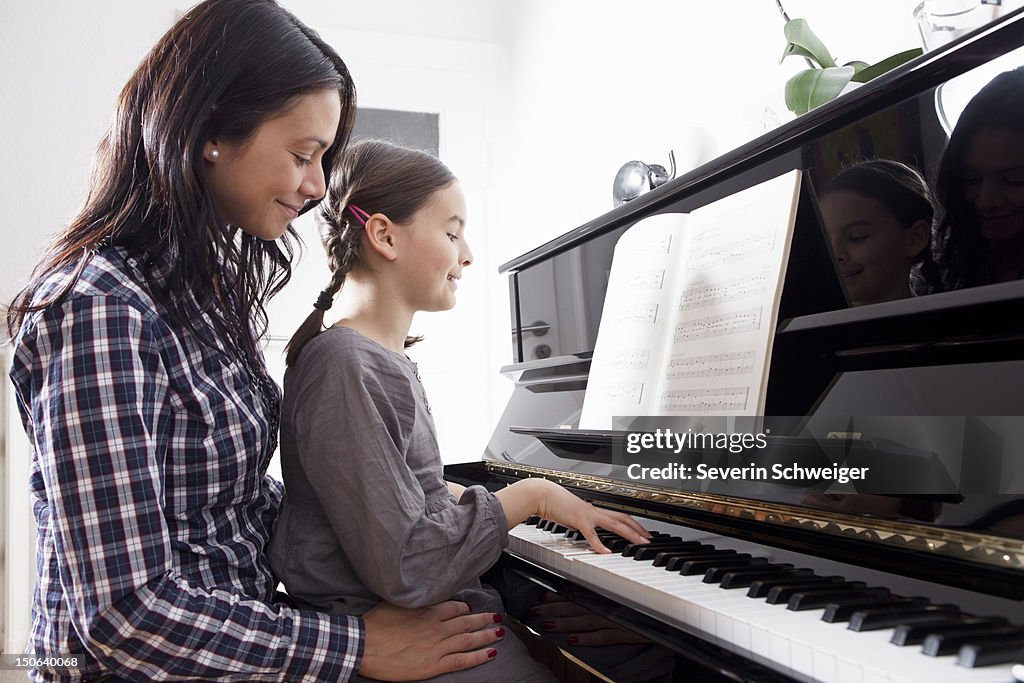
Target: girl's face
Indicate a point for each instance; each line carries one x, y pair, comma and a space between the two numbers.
993, 183
873, 251
434, 251
260, 185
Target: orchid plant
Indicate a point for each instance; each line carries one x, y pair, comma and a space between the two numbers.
825, 80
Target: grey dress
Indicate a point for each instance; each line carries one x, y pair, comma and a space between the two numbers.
367, 515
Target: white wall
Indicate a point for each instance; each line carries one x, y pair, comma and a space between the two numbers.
594, 85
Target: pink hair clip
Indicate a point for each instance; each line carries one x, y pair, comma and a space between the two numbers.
361, 215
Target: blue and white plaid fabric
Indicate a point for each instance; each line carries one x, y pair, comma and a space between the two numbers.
151, 498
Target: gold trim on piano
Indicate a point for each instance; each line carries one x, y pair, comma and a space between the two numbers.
966, 545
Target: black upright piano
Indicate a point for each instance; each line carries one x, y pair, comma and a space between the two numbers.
791, 585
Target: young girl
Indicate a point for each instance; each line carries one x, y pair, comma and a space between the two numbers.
367, 515
143, 392
878, 215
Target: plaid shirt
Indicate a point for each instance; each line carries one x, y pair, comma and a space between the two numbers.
151, 498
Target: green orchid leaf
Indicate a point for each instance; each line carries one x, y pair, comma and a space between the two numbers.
887, 64
795, 50
798, 33
810, 88
857, 66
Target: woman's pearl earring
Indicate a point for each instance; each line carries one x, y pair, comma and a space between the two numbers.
214, 154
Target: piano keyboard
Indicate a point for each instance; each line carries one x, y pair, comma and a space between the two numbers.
809, 627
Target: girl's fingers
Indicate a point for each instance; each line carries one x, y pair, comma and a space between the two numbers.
594, 541
632, 532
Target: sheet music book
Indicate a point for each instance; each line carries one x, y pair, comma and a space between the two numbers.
691, 309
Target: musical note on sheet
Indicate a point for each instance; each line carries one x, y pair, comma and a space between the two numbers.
648, 280
659, 244
638, 313
634, 359
713, 293
709, 255
725, 324
710, 400
712, 365
621, 392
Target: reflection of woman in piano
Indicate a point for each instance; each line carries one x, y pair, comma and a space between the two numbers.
980, 186
367, 515
878, 215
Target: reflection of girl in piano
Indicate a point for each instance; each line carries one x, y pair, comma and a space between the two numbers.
980, 186
367, 515
878, 215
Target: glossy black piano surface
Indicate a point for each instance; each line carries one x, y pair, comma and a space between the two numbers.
955, 360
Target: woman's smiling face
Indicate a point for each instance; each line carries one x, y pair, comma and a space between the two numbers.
992, 178
261, 184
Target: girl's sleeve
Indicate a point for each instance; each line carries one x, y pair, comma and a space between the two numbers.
353, 419
93, 392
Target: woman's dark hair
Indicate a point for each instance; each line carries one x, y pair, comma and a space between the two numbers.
964, 252
903, 191
377, 177
221, 71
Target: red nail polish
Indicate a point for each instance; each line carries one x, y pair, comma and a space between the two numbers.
499, 632
535, 611
492, 653
572, 640
497, 618
549, 625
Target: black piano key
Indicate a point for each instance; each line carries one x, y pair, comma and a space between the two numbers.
878, 618
745, 579
549, 524
760, 587
663, 541
938, 644
532, 520
541, 523
991, 652
676, 563
604, 536
696, 567
662, 557
781, 595
617, 545
816, 599
744, 576
647, 553
914, 634
836, 612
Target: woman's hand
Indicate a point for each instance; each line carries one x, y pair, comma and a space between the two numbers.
538, 496
413, 644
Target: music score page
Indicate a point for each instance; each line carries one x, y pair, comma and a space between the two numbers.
691, 309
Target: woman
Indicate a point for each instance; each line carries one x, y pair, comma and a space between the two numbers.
144, 393
980, 186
